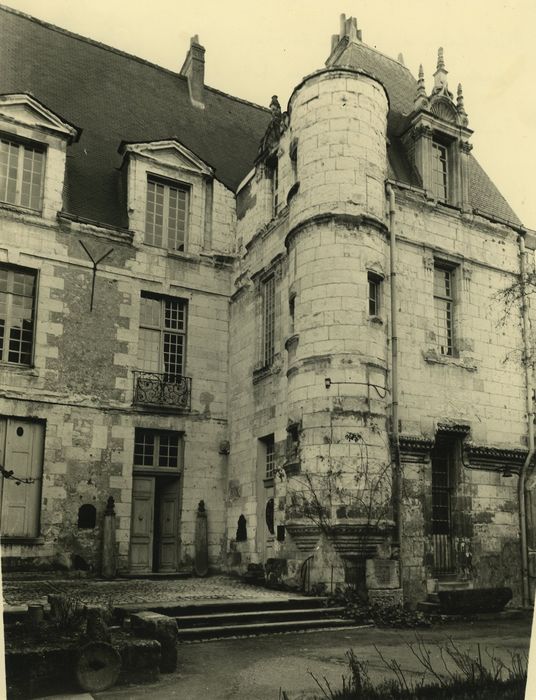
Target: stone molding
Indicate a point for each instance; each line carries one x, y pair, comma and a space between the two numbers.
494, 458
414, 448
352, 221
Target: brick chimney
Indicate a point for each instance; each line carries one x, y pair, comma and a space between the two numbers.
194, 69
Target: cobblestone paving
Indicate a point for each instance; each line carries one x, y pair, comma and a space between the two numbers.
125, 591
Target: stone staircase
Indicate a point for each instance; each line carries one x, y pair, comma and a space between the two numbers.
202, 620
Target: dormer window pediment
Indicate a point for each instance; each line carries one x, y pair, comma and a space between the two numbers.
24, 111
170, 153
444, 110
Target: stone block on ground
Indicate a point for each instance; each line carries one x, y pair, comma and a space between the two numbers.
382, 573
327, 567
164, 629
140, 659
97, 628
386, 597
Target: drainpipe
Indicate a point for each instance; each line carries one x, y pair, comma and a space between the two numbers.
394, 376
530, 420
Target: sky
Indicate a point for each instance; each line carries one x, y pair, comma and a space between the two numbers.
256, 50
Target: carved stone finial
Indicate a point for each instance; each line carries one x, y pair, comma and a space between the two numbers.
421, 98
461, 107
440, 77
401, 58
440, 59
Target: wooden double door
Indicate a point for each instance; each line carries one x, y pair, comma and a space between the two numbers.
155, 530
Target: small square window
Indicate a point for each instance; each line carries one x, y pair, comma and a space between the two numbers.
157, 449
374, 293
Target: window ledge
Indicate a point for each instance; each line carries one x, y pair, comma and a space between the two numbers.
378, 320
36, 213
182, 255
19, 369
433, 357
7, 539
292, 467
268, 481
275, 367
151, 408
261, 373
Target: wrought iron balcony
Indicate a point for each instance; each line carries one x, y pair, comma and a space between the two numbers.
157, 389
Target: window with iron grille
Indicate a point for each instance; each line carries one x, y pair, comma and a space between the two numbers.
374, 288
21, 174
162, 339
17, 307
157, 449
268, 320
443, 308
439, 171
166, 216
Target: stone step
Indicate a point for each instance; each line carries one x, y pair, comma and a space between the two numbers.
453, 585
250, 616
213, 632
428, 607
199, 607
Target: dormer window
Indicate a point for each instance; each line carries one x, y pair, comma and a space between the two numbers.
166, 216
172, 196
22, 167
440, 174
438, 140
33, 152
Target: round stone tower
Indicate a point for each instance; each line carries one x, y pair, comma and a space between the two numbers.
338, 260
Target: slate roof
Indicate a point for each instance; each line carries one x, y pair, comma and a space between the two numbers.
113, 97
117, 97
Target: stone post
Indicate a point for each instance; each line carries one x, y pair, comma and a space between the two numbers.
109, 560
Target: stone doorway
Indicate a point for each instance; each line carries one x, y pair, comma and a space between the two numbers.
155, 528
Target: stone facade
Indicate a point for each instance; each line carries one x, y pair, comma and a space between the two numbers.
285, 280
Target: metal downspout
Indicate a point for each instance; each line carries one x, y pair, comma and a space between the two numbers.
530, 421
397, 501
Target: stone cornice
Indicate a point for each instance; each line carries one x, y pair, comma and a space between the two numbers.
494, 458
414, 448
460, 429
355, 221
331, 71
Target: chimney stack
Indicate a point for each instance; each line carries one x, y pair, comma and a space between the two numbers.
194, 70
